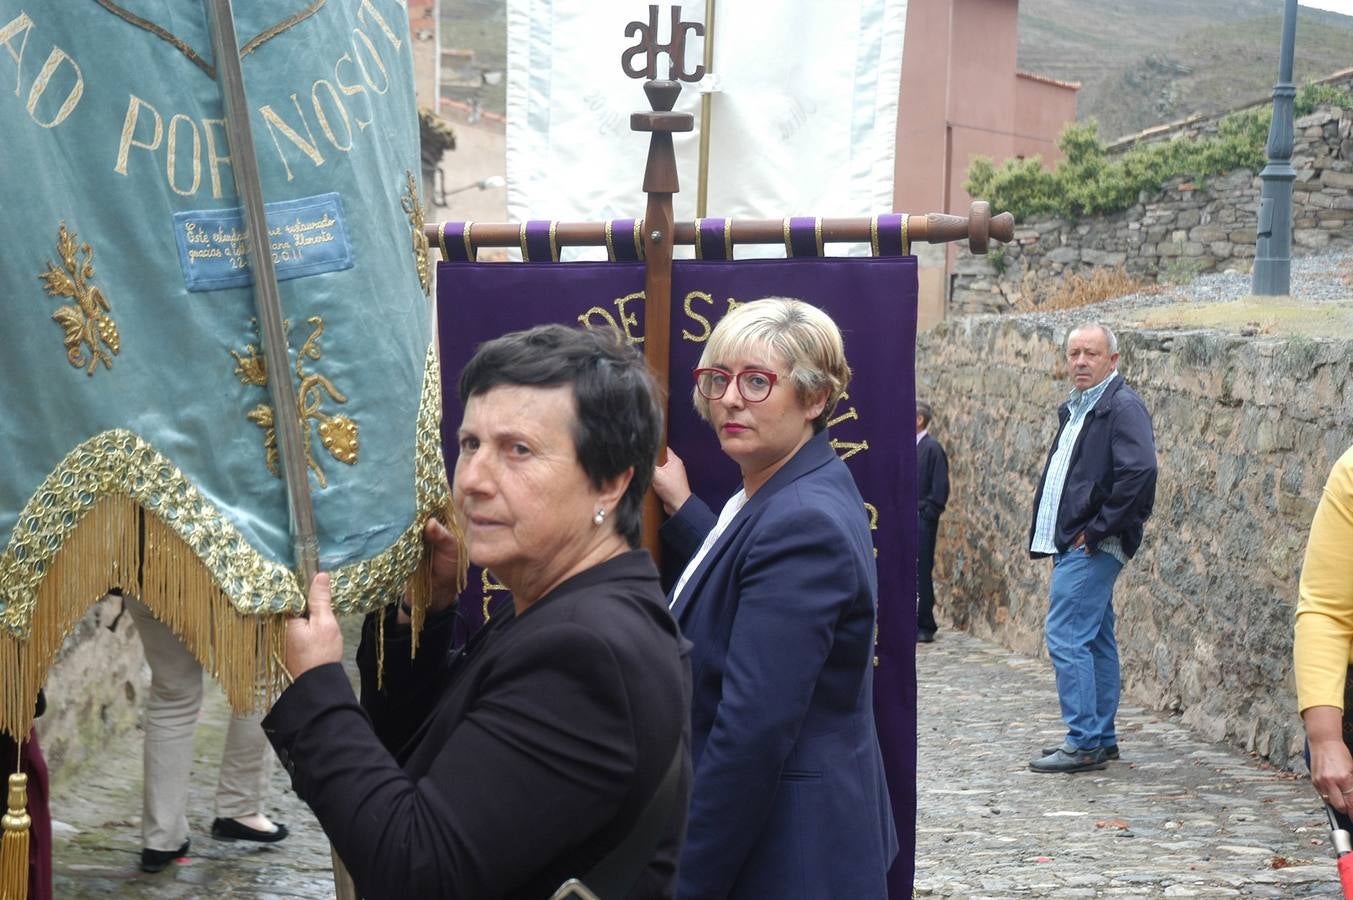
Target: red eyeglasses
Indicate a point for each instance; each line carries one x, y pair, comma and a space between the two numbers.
754, 385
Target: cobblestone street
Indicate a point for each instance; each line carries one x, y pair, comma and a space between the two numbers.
97, 826
1176, 817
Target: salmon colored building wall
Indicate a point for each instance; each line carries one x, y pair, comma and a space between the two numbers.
961, 97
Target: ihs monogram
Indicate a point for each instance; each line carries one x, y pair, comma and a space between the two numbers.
337, 434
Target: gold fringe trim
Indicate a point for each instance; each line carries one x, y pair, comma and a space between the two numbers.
117, 543
14, 844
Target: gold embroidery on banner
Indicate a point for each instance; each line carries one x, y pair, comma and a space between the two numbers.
789, 246
412, 205
186, 49
121, 464
337, 434
728, 239
87, 325
874, 235
610, 245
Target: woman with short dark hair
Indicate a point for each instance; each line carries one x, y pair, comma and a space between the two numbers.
527, 757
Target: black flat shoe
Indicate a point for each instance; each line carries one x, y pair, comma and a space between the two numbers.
230, 830
157, 860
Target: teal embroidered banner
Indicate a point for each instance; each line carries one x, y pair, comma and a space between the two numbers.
129, 353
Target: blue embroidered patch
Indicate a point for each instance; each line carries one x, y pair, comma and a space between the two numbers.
309, 235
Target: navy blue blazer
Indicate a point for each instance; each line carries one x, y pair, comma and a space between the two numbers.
790, 799
1111, 481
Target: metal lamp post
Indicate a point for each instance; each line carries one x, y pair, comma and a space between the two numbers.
1273, 250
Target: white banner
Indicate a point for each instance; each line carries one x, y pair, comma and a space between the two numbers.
803, 120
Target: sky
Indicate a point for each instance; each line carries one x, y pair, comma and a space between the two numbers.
1339, 6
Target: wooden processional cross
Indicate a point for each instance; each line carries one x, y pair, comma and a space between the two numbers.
659, 230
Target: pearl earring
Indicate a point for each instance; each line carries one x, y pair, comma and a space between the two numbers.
599, 517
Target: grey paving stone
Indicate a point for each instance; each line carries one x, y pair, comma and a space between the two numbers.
1178, 816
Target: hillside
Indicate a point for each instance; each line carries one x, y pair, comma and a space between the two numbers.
1154, 61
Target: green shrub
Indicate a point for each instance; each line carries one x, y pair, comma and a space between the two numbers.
1089, 181
1309, 96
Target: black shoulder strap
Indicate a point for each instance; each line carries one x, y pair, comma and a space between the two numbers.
615, 875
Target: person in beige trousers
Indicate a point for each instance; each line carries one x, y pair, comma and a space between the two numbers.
171, 715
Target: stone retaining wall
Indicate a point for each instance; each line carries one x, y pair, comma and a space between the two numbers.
1246, 430
1187, 228
94, 690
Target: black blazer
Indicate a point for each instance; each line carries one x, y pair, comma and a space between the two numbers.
932, 479
1111, 479
530, 754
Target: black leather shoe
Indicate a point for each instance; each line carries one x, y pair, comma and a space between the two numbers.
1077, 761
1110, 750
157, 860
925, 636
230, 830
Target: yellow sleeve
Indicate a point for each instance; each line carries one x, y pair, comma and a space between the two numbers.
1324, 629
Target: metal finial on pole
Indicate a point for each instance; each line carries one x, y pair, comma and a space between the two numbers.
1273, 250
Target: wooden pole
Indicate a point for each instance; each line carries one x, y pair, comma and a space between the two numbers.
979, 227
660, 183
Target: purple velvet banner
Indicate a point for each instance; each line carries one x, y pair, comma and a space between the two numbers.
872, 300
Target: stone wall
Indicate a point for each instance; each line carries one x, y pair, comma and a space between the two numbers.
1187, 228
1246, 431
94, 688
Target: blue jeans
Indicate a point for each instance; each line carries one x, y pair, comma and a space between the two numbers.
1084, 651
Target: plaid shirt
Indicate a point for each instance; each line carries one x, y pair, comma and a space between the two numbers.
1081, 402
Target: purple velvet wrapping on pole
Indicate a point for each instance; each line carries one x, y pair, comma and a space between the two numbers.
538, 243
624, 241
453, 239
872, 300
803, 237
888, 238
713, 238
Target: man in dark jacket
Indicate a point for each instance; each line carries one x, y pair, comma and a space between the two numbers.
1097, 491
932, 492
